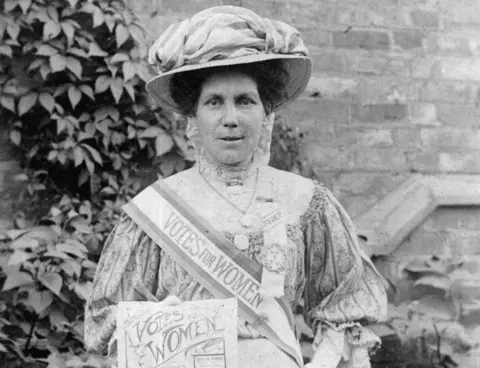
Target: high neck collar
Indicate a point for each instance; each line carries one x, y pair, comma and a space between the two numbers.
226, 174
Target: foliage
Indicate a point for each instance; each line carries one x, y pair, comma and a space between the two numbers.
286, 143
435, 309
72, 76
72, 90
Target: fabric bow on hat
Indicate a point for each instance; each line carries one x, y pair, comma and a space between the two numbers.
223, 32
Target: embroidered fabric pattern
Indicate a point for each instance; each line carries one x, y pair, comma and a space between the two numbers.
340, 284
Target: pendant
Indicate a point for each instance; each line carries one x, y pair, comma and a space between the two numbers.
241, 241
250, 220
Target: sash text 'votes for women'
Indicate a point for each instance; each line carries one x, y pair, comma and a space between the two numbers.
206, 254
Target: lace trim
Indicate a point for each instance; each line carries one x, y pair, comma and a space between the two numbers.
226, 174
316, 205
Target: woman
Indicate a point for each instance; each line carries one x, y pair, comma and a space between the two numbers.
228, 70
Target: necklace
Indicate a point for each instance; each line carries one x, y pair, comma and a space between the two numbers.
247, 220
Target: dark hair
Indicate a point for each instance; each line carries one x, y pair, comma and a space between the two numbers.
270, 76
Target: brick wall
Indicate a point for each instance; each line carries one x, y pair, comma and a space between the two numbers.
395, 91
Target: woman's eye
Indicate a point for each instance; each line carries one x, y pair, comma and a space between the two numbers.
245, 101
213, 102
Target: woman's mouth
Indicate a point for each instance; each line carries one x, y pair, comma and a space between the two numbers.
231, 139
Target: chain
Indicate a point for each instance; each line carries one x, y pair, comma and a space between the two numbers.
229, 201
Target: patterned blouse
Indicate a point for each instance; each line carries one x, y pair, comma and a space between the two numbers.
328, 273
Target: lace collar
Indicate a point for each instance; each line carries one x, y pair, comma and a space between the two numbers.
227, 175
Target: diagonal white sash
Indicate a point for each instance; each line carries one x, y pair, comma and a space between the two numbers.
214, 261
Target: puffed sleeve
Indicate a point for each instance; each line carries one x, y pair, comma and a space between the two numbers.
127, 271
344, 291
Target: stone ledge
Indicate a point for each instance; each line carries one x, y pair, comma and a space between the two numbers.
391, 220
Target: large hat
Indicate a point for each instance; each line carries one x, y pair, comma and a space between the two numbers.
227, 35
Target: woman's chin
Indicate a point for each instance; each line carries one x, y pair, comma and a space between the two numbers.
233, 158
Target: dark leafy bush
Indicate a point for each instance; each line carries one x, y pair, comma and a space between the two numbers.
72, 78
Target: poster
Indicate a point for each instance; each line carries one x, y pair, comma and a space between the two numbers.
197, 334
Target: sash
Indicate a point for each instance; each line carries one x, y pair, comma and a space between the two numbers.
208, 256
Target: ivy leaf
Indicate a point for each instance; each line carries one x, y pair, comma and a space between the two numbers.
40, 300
47, 101
95, 155
72, 268
89, 264
77, 52
6, 50
83, 289
8, 102
16, 279
19, 256
74, 66
47, 50
95, 50
163, 144
152, 132
144, 73
13, 30
71, 249
24, 242
101, 84
52, 281
79, 222
87, 90
98, 18
16, 233
45, 71
167, 166
131, 90
27, 102
74, 95
69, 32
10, 5
129, 70
76, 243
51, 29
121, 34
53, 14
24, 4
119, 57
36, 64
116, 87
73, 3
57, 63
15, 137
78, 156
90, 165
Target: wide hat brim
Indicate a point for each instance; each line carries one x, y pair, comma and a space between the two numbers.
299, 69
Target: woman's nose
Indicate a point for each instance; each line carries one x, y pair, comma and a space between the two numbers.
230, 116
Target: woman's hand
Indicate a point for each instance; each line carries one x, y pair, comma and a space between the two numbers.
170, 301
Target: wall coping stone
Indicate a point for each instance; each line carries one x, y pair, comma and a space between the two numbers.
392, 219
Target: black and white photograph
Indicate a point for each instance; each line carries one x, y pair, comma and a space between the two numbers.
239, 184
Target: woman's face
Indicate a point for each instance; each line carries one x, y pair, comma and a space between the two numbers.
229, 117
